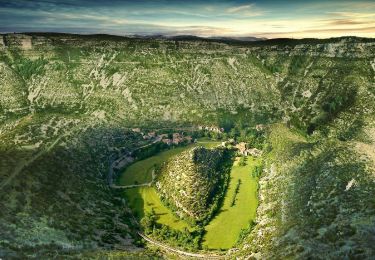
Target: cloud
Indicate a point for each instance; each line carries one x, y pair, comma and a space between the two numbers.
227, 18
319, 33
353, 14
346, 22
240, 8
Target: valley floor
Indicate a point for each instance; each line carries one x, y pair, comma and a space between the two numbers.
141, 172
145, 199
224, 230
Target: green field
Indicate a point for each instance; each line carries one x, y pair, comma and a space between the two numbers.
208, 143
141, 172
224, 229
145, 199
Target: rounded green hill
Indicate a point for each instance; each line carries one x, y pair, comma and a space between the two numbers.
188, 181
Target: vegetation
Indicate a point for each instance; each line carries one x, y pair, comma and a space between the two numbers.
242, 161
68, 104
318, 175
190, 181
141, 171
222, 232
155, 217
236, 190
185, 239
145, 203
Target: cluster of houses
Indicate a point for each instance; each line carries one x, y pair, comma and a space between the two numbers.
211, 128
145, 136
242, 148
177, 138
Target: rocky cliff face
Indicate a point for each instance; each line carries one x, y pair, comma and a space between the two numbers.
66, 103
153, 81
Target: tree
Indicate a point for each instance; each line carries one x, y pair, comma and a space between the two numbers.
149, 221
242, 161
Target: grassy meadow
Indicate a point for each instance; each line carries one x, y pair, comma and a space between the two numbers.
141, 171
145, 199
223, 231
240, 202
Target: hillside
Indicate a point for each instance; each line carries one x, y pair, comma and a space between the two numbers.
68, 103
316, 198
189, 181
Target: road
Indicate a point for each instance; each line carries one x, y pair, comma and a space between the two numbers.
148, 239
112, 165
180, 252
131, 186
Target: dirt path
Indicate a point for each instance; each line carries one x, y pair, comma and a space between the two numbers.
148, 239
131, 186
180, 252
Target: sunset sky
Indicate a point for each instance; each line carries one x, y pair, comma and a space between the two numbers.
269, 18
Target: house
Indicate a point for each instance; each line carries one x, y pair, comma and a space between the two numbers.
211, 128
214, 129
254, 152
136, 130
177, 138
188, 138
241, 148
167, 141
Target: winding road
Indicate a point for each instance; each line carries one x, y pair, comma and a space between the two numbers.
146, 238
180, 252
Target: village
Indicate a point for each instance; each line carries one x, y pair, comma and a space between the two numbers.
242, 148
179, 138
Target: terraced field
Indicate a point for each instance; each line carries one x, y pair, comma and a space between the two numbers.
223, 231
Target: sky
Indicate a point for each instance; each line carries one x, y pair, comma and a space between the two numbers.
239, 18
